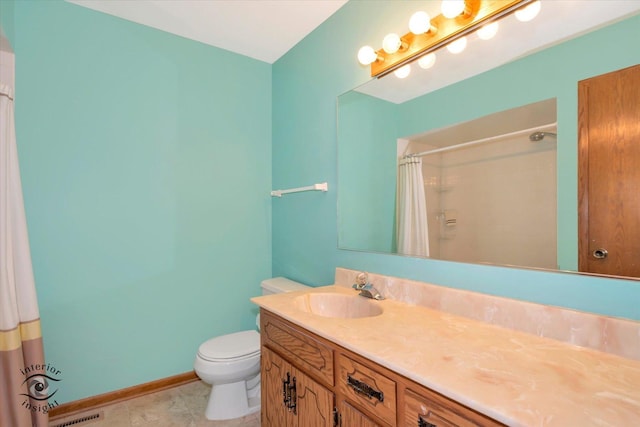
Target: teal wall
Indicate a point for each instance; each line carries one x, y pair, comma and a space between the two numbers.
309, 78
367, 165
6, 18
145, 162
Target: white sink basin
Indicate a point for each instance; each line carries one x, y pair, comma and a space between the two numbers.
338, 305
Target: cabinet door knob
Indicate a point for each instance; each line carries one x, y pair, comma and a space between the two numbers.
600, 253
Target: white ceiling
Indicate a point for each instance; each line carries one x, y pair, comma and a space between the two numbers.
260, 29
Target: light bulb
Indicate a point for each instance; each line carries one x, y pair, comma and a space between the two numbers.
419, 23
366, 55
488, 31
427, 61
403, 72
528, 12
452, 8
458, 45
391, 43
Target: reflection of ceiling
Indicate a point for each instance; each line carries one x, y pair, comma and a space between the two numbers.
261, 29
540, 115
558, 21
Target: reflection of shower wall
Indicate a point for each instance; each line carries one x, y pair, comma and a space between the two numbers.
504, 196
431, 172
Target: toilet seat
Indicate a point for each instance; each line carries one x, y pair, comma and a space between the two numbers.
237, 346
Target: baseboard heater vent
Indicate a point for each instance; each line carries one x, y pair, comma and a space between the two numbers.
80, 420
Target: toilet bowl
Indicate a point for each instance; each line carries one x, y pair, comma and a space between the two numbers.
231, 364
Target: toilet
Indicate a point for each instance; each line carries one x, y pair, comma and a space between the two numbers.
231, 364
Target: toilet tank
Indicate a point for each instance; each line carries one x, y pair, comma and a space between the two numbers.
279, 285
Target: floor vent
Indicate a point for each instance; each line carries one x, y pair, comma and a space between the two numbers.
80, 420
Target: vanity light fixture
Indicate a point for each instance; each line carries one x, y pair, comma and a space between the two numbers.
403, 71
488, 31
458, 45
420, 22
452, 8
427, 61
458, 19
391, 43
528, 12
367, 55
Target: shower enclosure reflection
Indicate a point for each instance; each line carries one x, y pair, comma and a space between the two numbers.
482, 191
487, 200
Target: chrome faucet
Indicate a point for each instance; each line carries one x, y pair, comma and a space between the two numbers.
366, 289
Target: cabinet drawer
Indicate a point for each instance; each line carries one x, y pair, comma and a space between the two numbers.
431, 409
367, 388
301, 349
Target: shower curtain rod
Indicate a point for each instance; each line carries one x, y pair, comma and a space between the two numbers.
478, 141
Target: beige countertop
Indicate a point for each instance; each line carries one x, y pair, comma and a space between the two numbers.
516, 378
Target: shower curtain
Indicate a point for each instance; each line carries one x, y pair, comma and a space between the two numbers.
412, 231
24, 377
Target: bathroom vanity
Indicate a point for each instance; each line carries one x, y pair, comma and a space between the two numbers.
330, 357
307, 380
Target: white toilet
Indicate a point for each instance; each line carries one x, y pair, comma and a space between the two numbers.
231, 364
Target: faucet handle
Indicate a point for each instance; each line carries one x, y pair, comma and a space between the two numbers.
361, 280
366, 289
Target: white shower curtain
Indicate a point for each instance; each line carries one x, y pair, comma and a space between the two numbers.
23, 380
412, 231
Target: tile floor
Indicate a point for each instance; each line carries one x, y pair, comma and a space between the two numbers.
181, 406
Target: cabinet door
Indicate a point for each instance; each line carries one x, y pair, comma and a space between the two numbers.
273, 376
314, 403
351, 417
290, 398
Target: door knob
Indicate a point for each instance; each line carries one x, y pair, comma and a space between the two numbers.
600, 253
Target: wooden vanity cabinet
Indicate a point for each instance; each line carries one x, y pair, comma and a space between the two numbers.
309, 381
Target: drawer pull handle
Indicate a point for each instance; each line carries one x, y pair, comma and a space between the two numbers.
361, 387
423, 423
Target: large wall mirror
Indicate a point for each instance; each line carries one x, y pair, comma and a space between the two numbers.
493, 155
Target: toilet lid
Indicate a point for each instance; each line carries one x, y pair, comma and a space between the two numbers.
232, 346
